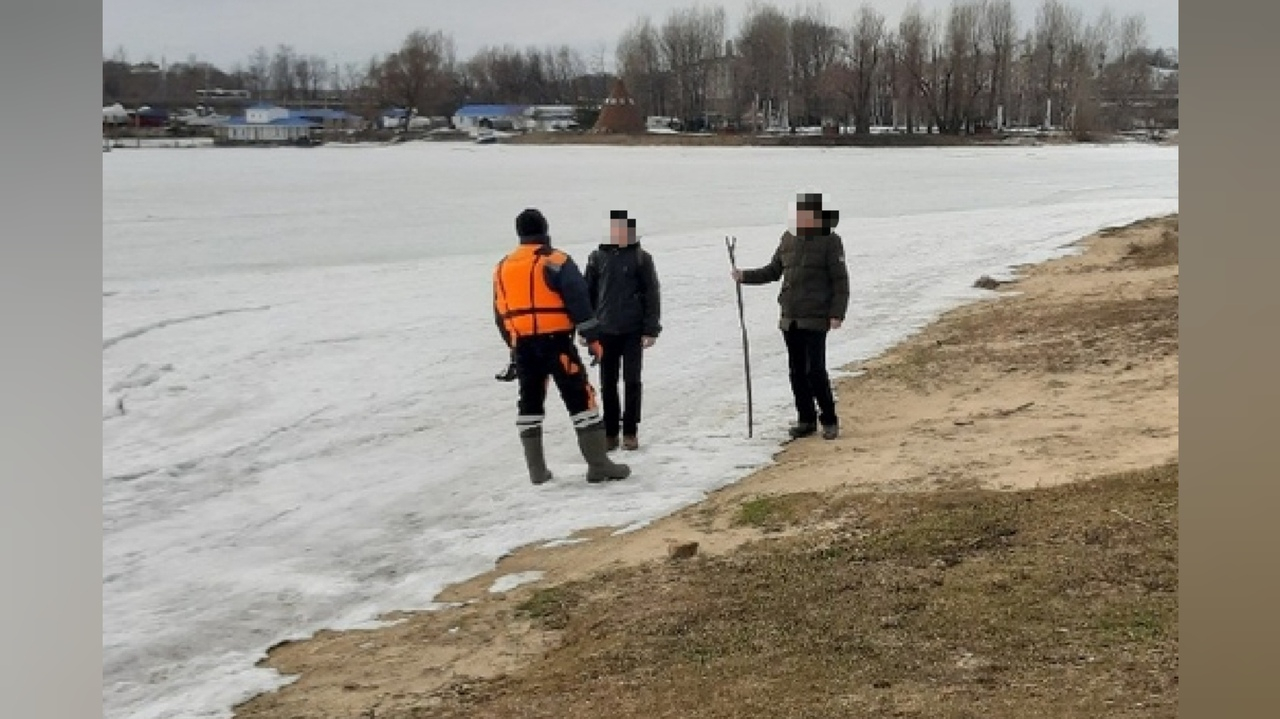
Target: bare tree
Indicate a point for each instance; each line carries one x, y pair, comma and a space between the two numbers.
815, 45
283, 81
1132, 36
563, 66
866, 48
1057, 31
1130, 77
1086, 70
641, 64
1101, 39
969, 50
690, 41
763, 57
419, 74
533, 75
258, 73
915, 40
320, 80
303, 77
1000, 25
943, 61
367, 91
496, 75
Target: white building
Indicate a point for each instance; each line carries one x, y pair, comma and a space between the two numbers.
115, 115
494, 117
548, 118
268, 124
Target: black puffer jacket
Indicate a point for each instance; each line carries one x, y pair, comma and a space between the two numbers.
815, 280
624, 290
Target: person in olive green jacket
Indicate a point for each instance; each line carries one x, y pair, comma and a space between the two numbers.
814, 298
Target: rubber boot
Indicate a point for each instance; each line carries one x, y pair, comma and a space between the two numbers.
599, 467
531, 438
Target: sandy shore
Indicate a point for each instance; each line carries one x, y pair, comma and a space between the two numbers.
1070, 373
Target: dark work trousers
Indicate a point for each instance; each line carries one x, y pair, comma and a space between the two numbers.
541, 359
807, 361
627, 351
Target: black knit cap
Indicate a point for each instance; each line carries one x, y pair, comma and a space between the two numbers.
809, 201
531, 223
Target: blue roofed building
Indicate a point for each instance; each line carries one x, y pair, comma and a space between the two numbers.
329, 119
271, 124
263, 123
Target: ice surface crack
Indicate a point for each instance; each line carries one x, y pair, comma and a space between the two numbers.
131, 334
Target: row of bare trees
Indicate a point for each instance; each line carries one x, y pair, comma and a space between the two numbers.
953, 71
423, 73
957, 70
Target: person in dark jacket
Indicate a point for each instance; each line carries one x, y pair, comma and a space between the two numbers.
814, 298
626, 298
539, 302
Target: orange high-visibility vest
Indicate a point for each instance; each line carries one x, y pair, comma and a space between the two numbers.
522, 297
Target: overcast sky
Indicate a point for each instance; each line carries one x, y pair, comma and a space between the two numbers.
225, 32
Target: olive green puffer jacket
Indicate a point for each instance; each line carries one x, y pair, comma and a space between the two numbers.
815, 280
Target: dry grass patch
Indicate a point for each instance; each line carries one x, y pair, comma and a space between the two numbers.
1161, 253
1031, 334
775, 512
1047, 603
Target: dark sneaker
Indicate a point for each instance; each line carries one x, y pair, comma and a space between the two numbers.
610, 444
630, 442
830, 431
802, 429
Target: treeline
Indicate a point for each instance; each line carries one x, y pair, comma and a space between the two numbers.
423, 73
952, 71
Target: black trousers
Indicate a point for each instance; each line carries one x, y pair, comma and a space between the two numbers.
625, 353
541, 359
807, 362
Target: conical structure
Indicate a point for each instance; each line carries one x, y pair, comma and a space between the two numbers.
619, 113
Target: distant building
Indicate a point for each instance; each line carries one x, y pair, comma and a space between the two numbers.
496, 117
329, 119
115, 115
269, 124
549, 118
662, 123
215, 94
619, 114
392, 118
150, 117
428, 122
1163, 78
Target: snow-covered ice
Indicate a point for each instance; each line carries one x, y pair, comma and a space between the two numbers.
563, 542
507, 582
301, 428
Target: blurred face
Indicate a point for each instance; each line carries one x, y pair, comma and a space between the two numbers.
619, 232
807, 219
